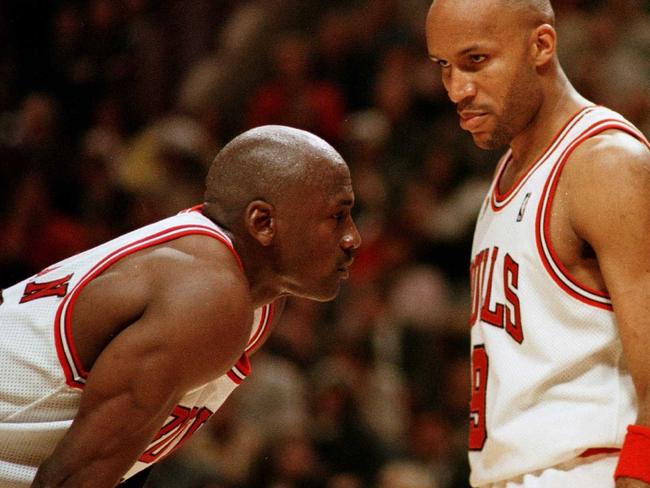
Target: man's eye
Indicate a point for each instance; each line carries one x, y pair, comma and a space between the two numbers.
443, 63
339, 217
478, 58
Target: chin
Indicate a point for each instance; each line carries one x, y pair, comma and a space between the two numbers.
489, 142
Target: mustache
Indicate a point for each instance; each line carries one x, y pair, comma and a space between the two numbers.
467, 105
349, 259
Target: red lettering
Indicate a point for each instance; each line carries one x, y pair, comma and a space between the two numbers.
492, 317
175, 432
54, 288
510, 283
506, 313
201, 418
477, 275
477, 425
167, 434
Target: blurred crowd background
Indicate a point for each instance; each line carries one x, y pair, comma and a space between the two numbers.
110, 112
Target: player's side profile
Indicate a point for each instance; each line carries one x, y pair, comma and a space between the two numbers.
559, 269
111, 359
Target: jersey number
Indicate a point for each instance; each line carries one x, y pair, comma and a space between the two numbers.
477, 428
54, 288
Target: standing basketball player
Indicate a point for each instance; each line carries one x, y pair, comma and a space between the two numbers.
111, 359
560, 272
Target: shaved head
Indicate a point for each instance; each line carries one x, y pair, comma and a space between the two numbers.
271, 163
531, 12
285, 197
540, 11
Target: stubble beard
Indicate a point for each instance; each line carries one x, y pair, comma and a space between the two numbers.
520, 104
499, 138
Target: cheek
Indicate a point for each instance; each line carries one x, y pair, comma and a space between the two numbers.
513, 91
316, 249
326, 243
524, 95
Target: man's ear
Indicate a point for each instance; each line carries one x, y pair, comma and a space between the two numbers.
544, 44
259, 219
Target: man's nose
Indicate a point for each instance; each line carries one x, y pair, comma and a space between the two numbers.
459, 86
351, 239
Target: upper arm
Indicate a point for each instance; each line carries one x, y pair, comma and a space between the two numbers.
192, 327
610, 209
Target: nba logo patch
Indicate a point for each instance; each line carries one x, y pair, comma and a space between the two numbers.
522, 209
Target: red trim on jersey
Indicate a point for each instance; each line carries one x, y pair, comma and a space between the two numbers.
594, 451
543, 220
499, 200
74, 371
195, 208
263, 327
47, 270
240, 370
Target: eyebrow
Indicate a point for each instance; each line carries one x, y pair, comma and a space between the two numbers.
346, 202
473, 47
342, 201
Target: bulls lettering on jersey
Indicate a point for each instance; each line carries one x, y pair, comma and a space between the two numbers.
505, 314
535, 328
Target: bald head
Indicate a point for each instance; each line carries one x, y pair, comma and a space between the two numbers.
540, 11
269, 163
527, 12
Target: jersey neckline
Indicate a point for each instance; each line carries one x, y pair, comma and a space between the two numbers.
500, 200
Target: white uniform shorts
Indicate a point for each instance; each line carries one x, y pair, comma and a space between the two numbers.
588, 472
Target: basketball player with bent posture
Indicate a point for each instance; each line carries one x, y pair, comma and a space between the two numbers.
560, 273
111, 359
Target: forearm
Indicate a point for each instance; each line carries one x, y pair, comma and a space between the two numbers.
52, 475
102, 444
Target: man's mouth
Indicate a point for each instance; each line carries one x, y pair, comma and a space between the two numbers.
471, 121
344, 269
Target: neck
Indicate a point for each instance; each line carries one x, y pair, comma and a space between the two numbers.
561, 101
262, 280
255, 262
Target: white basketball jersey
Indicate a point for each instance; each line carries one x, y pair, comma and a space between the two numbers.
42, 378
549, 380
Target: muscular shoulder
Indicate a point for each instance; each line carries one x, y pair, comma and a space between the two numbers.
199, 277
192, 271
607, 179
187, 299
609, 158
199, 262
201, 302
